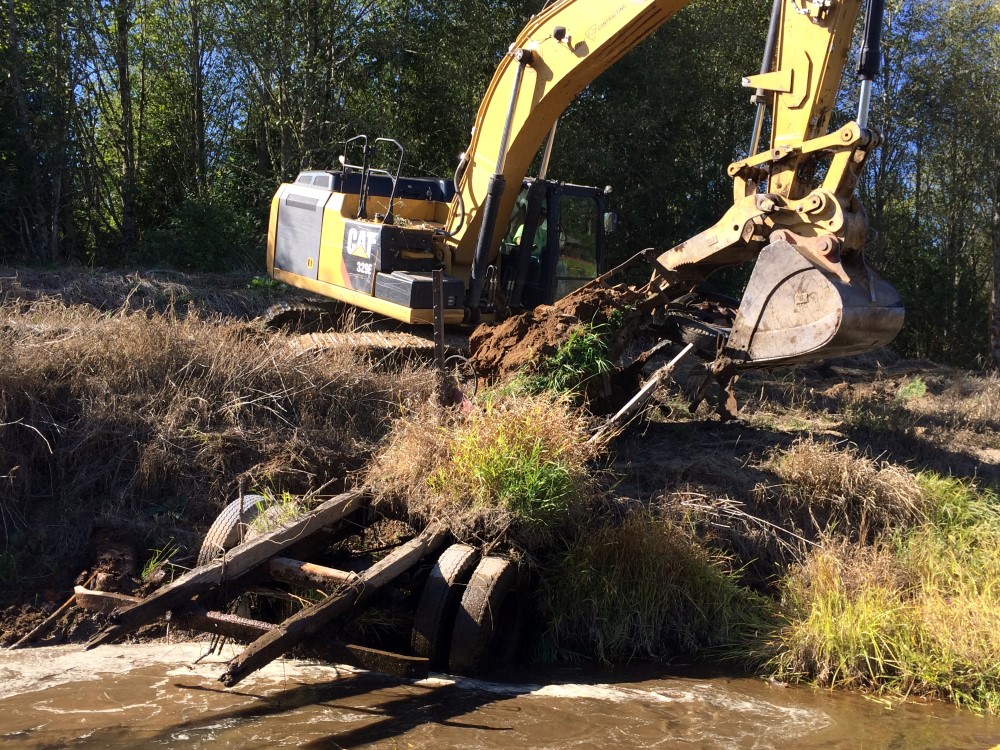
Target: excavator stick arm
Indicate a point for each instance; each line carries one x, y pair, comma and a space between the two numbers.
811, 294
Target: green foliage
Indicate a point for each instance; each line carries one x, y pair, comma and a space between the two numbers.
581, 359
266, 283
514, 470
517, 454
915, 388
276, 510
647, 589
927, 190
917, 614
207, 234
159, 558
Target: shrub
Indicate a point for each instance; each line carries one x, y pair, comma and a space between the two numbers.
647, 589
207, 233
918, 613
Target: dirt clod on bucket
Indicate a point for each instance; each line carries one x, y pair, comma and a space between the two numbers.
522, 341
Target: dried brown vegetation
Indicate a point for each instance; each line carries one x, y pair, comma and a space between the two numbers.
147, 423
136, 415
233, 294
510, 472
834, 489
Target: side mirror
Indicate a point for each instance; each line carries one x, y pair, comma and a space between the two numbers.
610, 222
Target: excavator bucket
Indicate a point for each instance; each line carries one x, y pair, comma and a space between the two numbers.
793, 311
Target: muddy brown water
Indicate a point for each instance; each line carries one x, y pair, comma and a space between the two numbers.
156, 696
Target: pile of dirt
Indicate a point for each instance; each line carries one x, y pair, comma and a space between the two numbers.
521, 341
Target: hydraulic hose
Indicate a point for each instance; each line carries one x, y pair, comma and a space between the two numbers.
463, 162
760, 96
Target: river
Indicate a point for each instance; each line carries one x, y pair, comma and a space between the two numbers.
157, 696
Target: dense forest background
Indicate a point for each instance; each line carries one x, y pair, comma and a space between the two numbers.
153, 132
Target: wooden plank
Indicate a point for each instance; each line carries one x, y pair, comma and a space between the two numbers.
220, 623
372, 659
246, 630
101, 601
639, 400
238, 628
235, 563
301, 573
308, 621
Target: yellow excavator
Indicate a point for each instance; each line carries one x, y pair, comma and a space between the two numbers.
366, 236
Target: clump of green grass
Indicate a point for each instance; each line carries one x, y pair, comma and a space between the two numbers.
880, 415
913, 388
581, 359
576, 370
159, 558
917, 613
519, 462
513, 468
274, 510
647, 588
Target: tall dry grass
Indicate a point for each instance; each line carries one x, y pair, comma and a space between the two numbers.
514, 470
917, 613
968, 402
141, 420
834, 489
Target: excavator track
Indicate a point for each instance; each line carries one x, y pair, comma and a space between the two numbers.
397, 343
315, 327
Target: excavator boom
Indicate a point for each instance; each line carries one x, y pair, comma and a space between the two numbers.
835, 304
558, 53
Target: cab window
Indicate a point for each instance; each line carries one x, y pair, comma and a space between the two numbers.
577, 264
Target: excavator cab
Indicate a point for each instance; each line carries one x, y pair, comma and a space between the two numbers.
555, 242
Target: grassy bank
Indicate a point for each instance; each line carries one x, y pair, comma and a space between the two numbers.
914, 612
816, 561
844, 532
139, 426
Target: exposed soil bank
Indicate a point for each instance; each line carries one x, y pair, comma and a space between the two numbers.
524, 340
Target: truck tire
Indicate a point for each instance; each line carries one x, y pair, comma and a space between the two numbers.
704, 336
439, 602
231, 527
489, 619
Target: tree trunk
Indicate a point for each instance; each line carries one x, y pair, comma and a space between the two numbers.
995, 243
198, 89
33, 205
129, 189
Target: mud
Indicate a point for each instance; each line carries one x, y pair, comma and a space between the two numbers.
167, 696
518, 343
